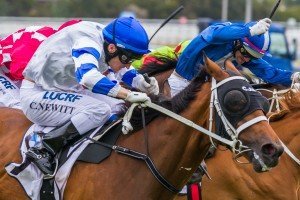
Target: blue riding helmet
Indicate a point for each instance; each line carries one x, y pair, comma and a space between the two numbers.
257, 45
127, 33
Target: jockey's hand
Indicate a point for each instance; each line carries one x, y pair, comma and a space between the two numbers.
126, 127
137, 97
260, 27
141, 84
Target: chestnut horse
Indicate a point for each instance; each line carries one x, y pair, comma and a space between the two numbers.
234, 181
176, 150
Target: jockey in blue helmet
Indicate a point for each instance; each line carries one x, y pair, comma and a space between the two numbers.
129, 37
244, 44
255, 46
90, 63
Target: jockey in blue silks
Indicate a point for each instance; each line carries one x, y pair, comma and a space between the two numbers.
244, 44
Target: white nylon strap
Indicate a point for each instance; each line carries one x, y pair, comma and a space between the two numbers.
227, 80
250, 123
227, 125
188, 122
288, 152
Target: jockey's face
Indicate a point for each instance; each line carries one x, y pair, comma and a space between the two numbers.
240, 58
115, 62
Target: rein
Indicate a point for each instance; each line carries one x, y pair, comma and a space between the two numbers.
139, 156
235, 144
275, 97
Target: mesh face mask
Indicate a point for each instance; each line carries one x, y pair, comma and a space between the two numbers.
238, 102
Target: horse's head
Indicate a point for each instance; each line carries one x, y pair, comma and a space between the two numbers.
240, 113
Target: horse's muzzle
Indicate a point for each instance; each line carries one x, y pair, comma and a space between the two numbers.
269, 155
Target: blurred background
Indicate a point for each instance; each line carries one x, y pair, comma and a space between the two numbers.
197, 15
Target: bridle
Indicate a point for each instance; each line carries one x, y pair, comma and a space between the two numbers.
238, 148
234, 143
231, 131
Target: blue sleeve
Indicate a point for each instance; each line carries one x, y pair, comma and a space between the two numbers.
225, 32
269, 73
217, 34
129, 76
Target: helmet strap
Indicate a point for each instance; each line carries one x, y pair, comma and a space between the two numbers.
237, 46
109, 55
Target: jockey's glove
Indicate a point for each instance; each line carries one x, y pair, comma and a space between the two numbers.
126, 127
137, 97
260, 27
296, 77
140, 83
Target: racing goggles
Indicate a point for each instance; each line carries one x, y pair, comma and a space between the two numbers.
127, 57
246, 54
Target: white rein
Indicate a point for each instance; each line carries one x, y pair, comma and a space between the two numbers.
235, 144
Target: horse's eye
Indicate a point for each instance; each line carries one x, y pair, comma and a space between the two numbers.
235, 101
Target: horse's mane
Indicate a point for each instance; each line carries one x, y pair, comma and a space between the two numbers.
158, 66
182, 99
177, 104
291, 100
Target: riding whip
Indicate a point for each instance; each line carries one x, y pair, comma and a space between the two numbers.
171, 16
274, 9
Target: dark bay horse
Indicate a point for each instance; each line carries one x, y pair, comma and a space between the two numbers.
235, 181
176, 150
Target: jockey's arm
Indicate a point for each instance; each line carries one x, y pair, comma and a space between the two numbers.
269, 73
132, 78
225, 32
87, 74
215, 34
86, 54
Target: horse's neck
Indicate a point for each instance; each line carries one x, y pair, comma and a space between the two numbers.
187, 147
289, 133
288, 130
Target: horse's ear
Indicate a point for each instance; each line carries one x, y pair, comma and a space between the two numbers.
229, 65
213, 69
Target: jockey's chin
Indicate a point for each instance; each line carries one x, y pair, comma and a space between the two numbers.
240, 59
116, 64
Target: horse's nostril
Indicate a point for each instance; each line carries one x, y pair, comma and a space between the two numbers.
271, 150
